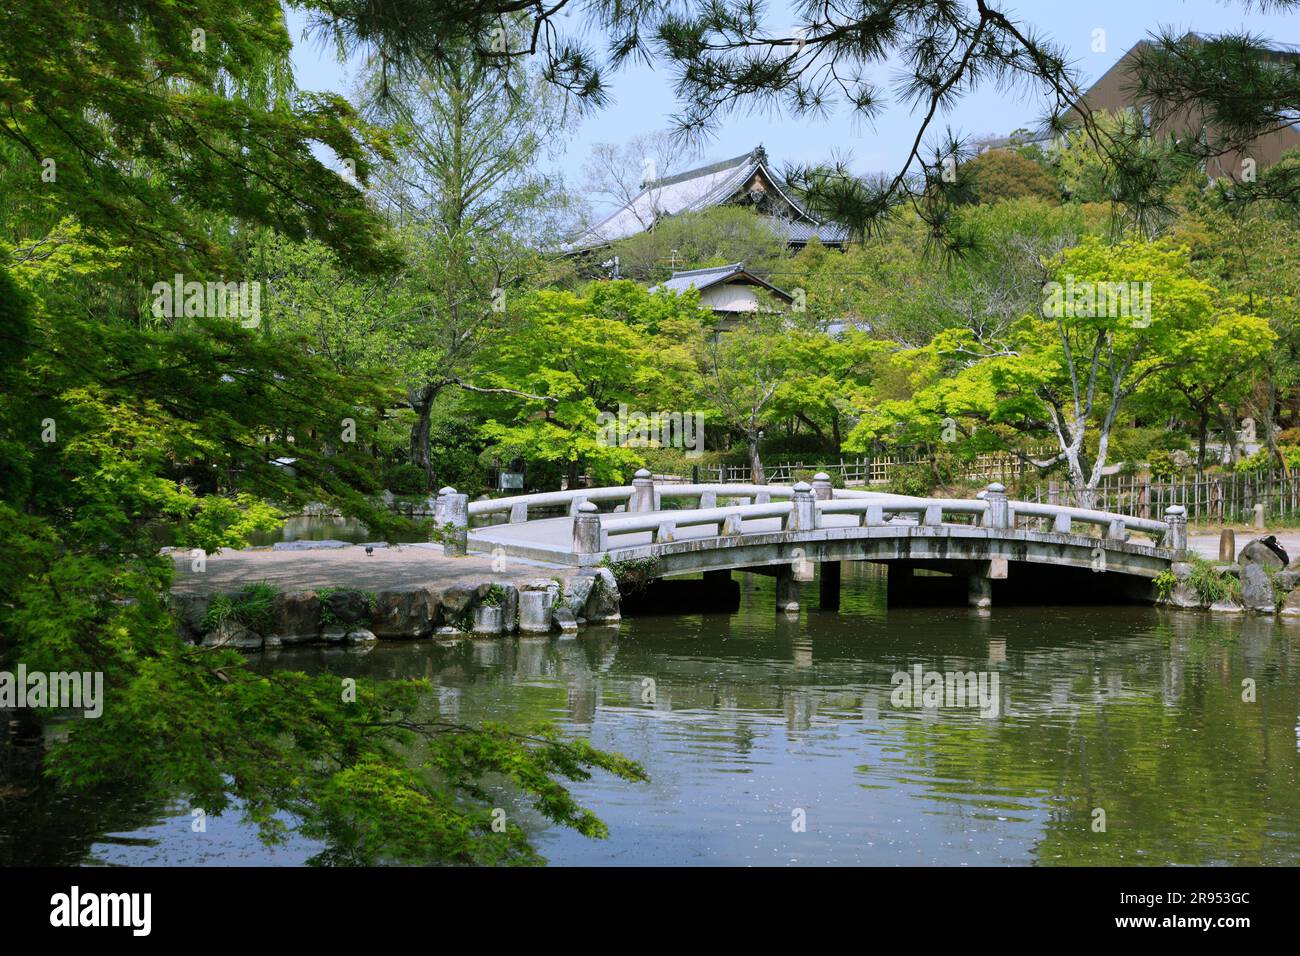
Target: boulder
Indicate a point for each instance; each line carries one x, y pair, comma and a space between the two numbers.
189, 611
231, 634
404, 613
1257, 589
1285, 581
1291, 606
564, 618
334, 635
1184, 596
487, 620
578, 590
603, 604
457, 598
295, 617
1265, 552
535, 606
360, 636
1227, 606
347, 607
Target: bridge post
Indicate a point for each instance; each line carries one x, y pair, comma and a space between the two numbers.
451, 510
803, 509
643, 492
586, 529
1176, 518
821, 486
828, 578
999, 511
708, 499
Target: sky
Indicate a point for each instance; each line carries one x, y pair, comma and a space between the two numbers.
643, 102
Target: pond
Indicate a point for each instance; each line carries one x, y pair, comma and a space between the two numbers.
781, 741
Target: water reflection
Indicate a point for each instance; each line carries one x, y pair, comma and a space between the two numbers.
743, 719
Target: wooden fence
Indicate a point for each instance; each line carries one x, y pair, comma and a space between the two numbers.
1230, 498
868, 471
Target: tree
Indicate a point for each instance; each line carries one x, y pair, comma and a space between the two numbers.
1114, 318
693, 240
581, 357
119, 425
744, 371
472, 208
1005, 174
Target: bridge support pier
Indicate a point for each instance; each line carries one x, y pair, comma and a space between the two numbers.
787, 591
980, 591
829, 586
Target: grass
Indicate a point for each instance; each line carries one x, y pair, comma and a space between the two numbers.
251, 606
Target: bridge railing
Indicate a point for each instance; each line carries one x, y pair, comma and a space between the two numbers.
642, 495
800, 508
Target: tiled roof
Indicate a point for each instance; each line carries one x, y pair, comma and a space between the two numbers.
703, 279
693, 190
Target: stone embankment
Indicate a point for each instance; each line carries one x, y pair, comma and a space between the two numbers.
1263, 580
343, 595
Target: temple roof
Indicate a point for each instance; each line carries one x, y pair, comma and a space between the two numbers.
717, 184
702, 279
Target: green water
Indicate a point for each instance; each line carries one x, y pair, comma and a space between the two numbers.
775, 741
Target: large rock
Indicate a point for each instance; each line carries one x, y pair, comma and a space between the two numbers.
1183, 596
189, 610
536, 600
1257, 589
509, 607
346, 607
457, 598
1285, 581
1291, 606
231, 634
360, 636
603, 603
577, 591
1227, 606
1265, 552
564, 618
404, 613
295, 617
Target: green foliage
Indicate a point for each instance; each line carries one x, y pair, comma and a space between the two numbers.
404, 478
915, 480
251, 606
633, 576
1212, 585
1165, 582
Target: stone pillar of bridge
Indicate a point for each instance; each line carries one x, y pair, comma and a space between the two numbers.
828, 581
1176, 518
828, 585
787, 590
803, 509
586, 529
999, 513
821, 486
451, 515
643, 492
979, 591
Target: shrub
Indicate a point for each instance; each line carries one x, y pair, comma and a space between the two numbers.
250, 606
405, 479
915, 480
1210, 584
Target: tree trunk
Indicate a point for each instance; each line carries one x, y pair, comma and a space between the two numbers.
755, 463
422, 405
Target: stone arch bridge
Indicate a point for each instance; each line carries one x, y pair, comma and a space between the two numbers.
975, 548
